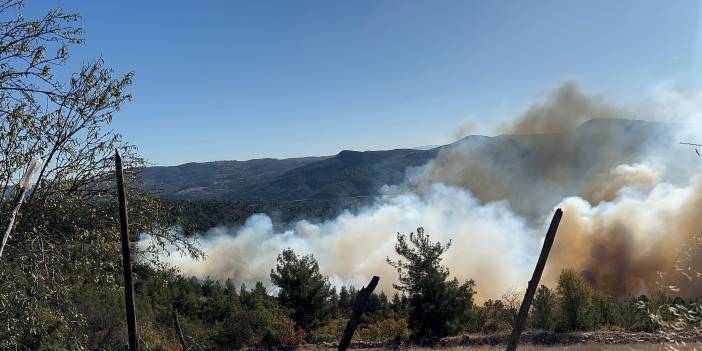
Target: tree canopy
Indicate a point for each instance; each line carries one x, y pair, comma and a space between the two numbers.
302, 288
437, 306
66, 233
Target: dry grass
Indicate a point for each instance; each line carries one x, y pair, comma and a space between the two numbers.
577, 347
581, 347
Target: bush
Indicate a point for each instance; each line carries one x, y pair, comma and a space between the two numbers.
494, 317
575, 301
606, 312
388, 330
543, 313
331, 331
287, 336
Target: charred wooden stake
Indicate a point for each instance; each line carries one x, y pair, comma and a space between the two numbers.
534, 282
179, 331
126, 256
358, 307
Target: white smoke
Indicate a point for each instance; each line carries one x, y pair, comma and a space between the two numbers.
353, 247
620, 229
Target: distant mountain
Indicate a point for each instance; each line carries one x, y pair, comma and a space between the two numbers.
425, 147
348, 174
535, 160
214, 180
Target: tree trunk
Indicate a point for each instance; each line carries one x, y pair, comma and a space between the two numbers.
358, 307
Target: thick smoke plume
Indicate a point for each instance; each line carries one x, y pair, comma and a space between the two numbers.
625, 245
353, 247
631, 196
562, 109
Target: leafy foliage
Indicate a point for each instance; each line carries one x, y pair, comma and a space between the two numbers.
575, 301
66, 234
437, 306
303, 289
543, 314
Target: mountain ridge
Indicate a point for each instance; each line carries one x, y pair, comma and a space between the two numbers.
357, 174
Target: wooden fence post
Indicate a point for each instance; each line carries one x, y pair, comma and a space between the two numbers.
126, 256
358, 307
534, 282
179, 331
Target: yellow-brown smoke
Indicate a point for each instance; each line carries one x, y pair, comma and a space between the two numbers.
629, 191
562, 109
631, 243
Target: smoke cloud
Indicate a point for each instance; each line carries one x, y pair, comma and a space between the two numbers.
463, 130
630, 193
562, 109
354, 246
622, 245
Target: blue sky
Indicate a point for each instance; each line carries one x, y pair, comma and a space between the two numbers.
220, 80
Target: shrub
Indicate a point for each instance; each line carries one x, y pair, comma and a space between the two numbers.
331, 331
543, 313
606, 312
575, 301
287, 336
494, 317
388, 330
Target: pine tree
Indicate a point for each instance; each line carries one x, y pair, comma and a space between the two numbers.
575, 301
437, 306
544, 309
303, 289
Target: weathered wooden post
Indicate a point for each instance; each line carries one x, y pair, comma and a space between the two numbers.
24, 185
126, 256
358, 307
534, 282
179, 331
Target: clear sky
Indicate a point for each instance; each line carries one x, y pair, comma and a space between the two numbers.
221, 80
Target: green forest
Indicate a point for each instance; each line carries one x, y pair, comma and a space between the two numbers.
303, 307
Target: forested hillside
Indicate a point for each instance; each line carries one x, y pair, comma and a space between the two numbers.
565, 162
211, 180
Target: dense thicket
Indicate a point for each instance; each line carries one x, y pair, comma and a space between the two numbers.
221, 316
306, 308
200, 215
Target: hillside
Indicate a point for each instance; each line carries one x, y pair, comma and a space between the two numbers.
348, 174
345, 175
493, 167
212, 180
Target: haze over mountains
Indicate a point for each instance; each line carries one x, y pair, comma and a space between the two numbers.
587, 151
